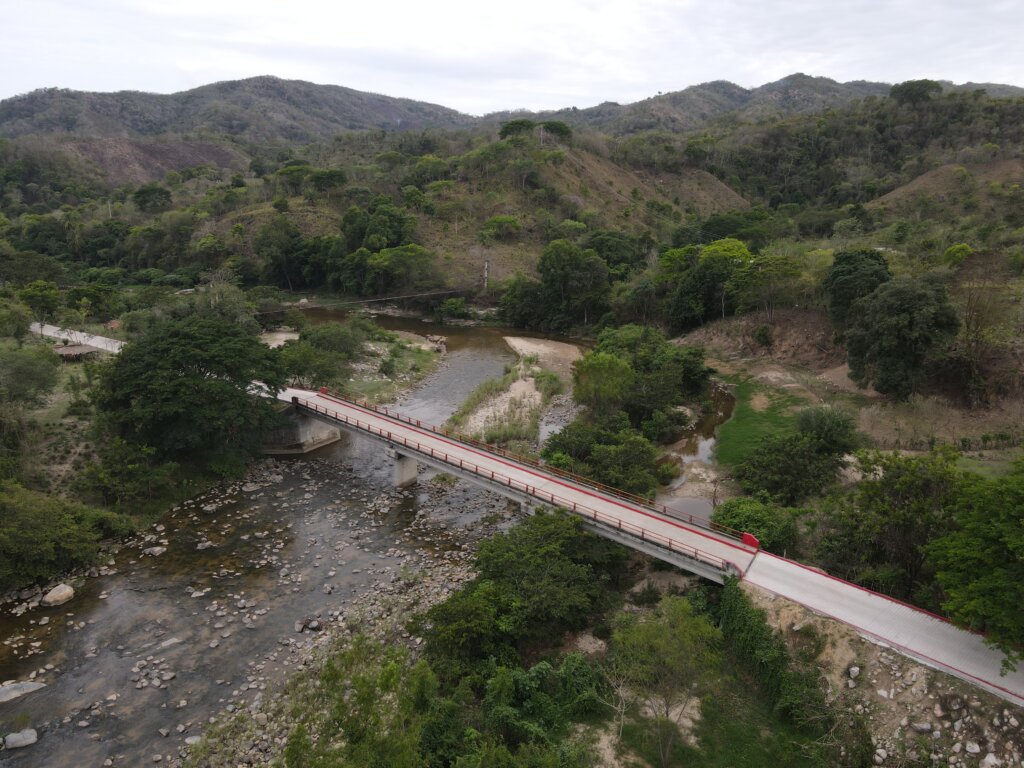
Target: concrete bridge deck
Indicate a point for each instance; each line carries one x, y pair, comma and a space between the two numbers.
714, 554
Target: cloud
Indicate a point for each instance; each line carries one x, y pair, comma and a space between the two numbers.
479, 57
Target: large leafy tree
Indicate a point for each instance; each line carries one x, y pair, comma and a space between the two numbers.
27, 374
878, 534
980, 563
790, 467
895, 331
42, 297
41, 535
185, 388
853, 275
664, 373
703, 292
774, 526
575, 283
602, 382
765, 281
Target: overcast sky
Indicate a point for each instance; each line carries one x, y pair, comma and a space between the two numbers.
479, 56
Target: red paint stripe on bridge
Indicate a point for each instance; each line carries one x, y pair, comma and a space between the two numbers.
545, 476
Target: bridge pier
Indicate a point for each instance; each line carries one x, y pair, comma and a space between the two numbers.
405, 469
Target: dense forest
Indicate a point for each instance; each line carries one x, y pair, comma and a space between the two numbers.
894, 220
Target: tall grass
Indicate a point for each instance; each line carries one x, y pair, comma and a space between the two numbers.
749, 426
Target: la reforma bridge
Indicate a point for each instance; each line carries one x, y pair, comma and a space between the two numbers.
712, 552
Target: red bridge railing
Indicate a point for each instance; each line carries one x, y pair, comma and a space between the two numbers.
636, 531
519, 458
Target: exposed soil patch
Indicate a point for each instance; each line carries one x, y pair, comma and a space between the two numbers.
557, 356
799, 337
760, 401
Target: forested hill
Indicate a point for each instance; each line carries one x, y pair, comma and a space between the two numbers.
700, 106
268, 109
257, 109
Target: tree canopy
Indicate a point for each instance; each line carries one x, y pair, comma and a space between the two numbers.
184, 389
895, 330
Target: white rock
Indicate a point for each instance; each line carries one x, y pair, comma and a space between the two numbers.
12, 691
972, 747
57, 596
25, 738
154, 551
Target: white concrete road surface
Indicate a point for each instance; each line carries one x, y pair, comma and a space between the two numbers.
911, 631
78, 337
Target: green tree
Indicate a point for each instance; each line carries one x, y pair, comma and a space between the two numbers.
388, 226
27, 374
42, 298
980, 562
328, 180
955, 255
557, 128
311, 367
602, 382
184, 388
42, 535
878, 534
895, 331
277, 243
152, 198
853, 275
515, 127
125, 473
403, 269
774, 526
345, 340
353, 227
15, 319
915, 92
787, 468
672, 654
831, 429
574, 283
765, 281
703, 292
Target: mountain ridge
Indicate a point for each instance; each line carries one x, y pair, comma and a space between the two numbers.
267, 108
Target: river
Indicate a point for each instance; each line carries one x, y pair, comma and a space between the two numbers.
155, 645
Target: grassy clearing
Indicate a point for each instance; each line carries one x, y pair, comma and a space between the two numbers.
760, 412
991, 464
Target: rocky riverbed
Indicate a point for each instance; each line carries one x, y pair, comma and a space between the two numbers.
221, 601
238, 588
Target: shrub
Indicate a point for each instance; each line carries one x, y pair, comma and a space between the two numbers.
774, 526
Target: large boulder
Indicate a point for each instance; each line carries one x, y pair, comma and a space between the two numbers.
25, 738
57, 596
